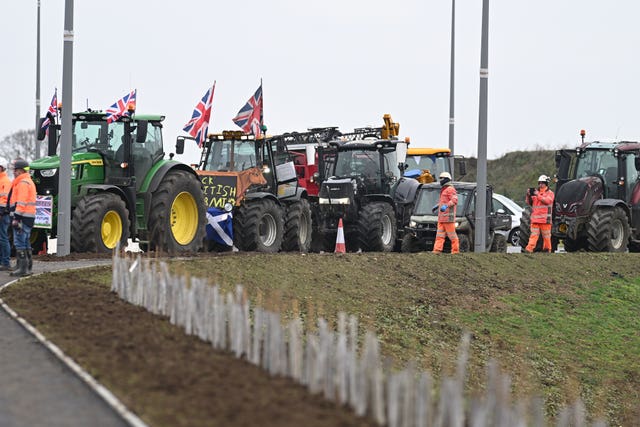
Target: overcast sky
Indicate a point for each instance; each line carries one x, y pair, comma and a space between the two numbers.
555, 67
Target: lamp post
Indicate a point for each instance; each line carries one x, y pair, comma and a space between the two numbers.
64, 183
481, 198
37, 156
451, 82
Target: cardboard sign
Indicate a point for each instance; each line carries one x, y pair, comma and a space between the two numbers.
44, 212
219, 189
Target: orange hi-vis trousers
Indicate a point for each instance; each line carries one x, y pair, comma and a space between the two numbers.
536, 230
447, 229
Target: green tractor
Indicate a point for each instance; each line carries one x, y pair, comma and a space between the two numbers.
121, 187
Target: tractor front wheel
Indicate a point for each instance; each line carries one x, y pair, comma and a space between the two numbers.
608, 230
99, 223
258, 226
377, 227
297, 227
177, 216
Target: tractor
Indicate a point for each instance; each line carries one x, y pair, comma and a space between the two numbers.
121, 187
255, 179
420, 230
357, 180
597, 198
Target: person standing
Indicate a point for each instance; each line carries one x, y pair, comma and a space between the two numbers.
22, 204
5, 220
447, 215
541, 202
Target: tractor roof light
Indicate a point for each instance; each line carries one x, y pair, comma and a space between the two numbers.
616, 152
124, 165
131, 107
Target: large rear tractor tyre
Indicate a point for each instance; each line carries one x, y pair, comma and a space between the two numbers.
608, 230
571, 245
258, 226
99, 223
499, 244
297, 227
377, 227
177, 215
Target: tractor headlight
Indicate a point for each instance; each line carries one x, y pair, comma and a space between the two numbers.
457, 224
228, 207
48, 173
74, 172
412, 224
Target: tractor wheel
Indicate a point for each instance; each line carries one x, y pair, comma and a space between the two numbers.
297, 227
499, 244
177, 215
258, 226
608, 230
377, 227
411, 244
99, 223
525, 231
571, 245
464, 243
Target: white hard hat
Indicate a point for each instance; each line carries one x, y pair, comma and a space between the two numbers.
445, 175
544, 178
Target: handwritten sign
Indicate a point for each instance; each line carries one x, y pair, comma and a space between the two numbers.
219, 190
44, 212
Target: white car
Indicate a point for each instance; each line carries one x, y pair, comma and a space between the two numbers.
512, 208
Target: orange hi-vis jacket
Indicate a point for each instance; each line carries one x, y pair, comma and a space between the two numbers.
23, 198
5, 187
541, 205
449, 197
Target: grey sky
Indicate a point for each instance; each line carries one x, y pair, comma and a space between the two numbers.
554, 66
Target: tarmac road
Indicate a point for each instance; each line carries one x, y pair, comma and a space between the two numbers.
36, 388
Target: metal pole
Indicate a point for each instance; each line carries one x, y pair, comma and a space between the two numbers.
37, 156
481, 199
451, 83
64, 183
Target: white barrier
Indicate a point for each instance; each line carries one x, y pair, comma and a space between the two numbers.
325, 361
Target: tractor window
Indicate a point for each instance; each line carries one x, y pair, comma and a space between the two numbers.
89, 135
433, 164
357, 163
153, 143
597, 162
632, 174
391, 163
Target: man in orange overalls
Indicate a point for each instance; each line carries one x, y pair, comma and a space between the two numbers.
22, 203
447, 215
541, 202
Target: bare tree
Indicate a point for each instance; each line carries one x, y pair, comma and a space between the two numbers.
19, 144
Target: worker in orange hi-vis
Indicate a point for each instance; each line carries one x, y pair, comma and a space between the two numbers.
447, 215
541, 202
5, 219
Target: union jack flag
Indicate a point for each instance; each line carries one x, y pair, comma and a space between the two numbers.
52, 112
249, 117
118, 109
198, 126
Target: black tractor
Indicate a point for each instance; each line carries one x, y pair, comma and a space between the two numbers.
597, 198
357, 180
419, 233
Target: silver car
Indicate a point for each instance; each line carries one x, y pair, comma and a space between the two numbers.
510, 207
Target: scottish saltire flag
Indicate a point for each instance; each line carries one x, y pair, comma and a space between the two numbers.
198, 126
220, 226
52, 112
118, 109
249, 117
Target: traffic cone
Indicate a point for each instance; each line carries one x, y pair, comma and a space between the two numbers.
340, 246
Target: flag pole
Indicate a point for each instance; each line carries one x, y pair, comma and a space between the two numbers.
263, 128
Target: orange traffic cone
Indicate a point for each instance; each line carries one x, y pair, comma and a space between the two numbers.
340, 246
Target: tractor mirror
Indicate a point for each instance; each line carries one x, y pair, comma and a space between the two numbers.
41, 132
180, 145
401, 152
637, 163
141, 134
